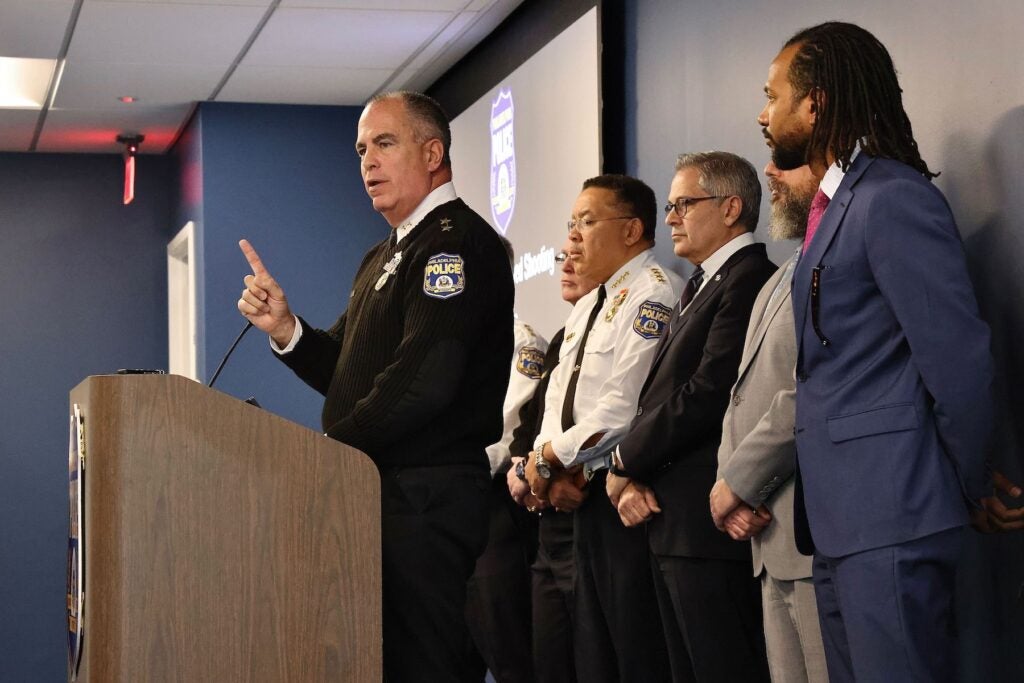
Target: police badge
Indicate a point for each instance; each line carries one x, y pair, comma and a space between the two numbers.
616, 302
530, 362
389, 269
651, 319
444, 276
503, 161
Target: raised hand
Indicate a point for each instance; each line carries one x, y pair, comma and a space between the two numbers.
263, 302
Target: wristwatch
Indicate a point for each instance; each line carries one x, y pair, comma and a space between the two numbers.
543, 468
521, 469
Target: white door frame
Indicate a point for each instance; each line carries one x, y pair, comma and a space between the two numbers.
181, 303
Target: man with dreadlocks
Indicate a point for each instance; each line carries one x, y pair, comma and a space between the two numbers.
893, 367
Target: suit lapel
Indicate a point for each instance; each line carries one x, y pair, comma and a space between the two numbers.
827, 229
706, 292
756, 337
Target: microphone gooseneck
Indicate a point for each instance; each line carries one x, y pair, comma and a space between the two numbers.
227, 355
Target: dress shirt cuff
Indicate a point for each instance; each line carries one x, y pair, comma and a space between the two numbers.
565, 448
296, 336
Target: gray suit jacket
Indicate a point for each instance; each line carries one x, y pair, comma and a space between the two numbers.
758, 452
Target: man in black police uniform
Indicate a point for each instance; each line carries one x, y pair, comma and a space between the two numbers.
414, 374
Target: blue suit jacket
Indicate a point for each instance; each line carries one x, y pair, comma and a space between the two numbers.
893, 414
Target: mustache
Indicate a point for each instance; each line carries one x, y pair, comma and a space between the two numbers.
766, 134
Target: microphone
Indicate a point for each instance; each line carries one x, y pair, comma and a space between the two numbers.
227, 355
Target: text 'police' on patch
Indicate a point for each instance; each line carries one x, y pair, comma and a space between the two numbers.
444, 276
651, 319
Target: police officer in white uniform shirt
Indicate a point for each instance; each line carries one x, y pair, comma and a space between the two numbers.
501, 627
611, 337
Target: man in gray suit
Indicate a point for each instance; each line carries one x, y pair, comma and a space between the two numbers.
753, 498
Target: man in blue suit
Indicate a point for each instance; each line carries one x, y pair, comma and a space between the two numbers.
893, 368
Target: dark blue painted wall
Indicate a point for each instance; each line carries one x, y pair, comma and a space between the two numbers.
287, 179
84, 282
84, 291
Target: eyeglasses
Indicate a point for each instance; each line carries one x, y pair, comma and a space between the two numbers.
582, 224
682, 204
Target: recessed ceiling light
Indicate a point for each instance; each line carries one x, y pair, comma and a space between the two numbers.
23, 82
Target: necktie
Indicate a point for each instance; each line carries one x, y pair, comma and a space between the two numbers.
690, 291
692, 285
574, 378
818, 206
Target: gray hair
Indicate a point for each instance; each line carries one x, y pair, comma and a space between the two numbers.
724, 174
429, 119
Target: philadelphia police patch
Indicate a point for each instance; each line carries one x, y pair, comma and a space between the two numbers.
652, 319
444, 276
530, 362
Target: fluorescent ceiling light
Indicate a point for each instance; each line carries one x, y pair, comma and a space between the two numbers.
23, 82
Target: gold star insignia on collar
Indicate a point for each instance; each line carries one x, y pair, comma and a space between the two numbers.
446, 224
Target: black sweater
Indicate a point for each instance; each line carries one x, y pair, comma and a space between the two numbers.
415, 371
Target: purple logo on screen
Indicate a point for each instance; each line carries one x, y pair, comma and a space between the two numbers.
503, 161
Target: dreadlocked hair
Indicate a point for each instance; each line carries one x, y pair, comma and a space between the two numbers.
857, 95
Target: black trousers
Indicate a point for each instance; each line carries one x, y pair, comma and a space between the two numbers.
618, 635
711, 610
554, 573
498, 599
433, 527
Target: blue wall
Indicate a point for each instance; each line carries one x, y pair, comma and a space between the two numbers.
84, 284
287, 179
85, 292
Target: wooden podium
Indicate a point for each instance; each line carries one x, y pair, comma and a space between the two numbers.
221, 542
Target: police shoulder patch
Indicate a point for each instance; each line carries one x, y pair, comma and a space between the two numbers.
651, 319
444, 276
530, 362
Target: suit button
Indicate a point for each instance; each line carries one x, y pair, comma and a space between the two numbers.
736, 399
801, 376
639, 411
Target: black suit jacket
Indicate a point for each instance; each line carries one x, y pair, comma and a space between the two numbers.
673, 442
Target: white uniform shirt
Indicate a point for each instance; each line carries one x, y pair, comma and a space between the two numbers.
527, 368
639, 300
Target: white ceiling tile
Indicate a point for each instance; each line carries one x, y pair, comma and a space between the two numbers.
16, 129
254, 3
426, 72
174, 52
162, 33
302, 85
448, 39
432, 5
342, 38
74, 130
33, 28
99, 85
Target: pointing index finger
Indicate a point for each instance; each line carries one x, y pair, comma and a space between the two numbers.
253, 258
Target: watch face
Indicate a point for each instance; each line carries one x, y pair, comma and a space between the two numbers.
521, 469
543, 469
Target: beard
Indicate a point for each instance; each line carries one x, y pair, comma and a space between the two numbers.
789, 150
789, 211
